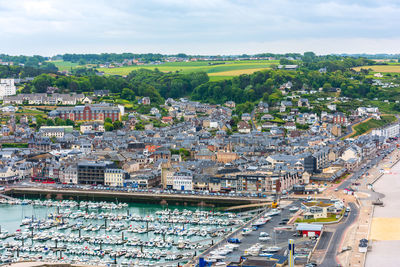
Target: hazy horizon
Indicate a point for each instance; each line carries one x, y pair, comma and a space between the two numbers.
199, 27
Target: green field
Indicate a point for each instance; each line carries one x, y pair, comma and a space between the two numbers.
217, 70
394, 68
64, 65
224, 70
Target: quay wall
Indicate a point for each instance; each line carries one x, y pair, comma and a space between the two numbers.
138, 197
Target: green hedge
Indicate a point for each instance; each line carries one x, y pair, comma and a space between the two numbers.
14, 145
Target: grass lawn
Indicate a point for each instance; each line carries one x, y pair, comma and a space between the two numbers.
125, 103
341, 179
372, 124
277, 120
30, 112
383, 107
219, 78
64, 65
236, 72
331, 218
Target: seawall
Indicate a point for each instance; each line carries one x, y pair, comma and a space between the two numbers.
139, 197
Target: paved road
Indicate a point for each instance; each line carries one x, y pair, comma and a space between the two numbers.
251, 120
359, 172
324, 240
330, 257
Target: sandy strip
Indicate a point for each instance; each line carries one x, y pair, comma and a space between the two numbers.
385, 228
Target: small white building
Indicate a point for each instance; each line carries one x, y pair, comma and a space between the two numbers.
213, 124
246, 117
55, 131
154, 111
331, 107
91, 127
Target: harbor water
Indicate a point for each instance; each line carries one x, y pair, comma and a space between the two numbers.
104, 233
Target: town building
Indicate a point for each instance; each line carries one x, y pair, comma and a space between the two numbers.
7, 88
182, 180
114, 177
144, 101
92, 172
69, 175
55, 131
95, 112
390, 131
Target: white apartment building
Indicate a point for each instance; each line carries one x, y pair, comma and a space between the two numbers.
388, 132
182, 180
7, 87
114, 177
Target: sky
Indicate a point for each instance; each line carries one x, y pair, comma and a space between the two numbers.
204, 27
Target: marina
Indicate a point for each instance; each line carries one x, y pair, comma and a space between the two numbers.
101, 233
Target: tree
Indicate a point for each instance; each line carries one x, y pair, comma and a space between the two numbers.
127, 94
326, 87
41, 82
396, 107
59, 122
49, 122
308, 56
117, 125
139, 127
108, 120
108, 126
39, 121
69, 122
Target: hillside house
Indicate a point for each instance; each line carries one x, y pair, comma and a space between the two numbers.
246, 117
244, 127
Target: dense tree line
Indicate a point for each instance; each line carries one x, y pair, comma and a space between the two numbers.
244, 88
31, 61
154, 84
110, 57
279, 56
172, 85
264, 85
343, 64
26, 71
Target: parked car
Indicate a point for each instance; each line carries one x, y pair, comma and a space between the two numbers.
234, 240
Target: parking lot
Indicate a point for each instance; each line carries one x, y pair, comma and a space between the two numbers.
263, 196
279, 233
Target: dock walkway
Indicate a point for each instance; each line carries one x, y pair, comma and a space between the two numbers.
7, 197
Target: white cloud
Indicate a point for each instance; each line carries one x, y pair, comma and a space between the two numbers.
198, 26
